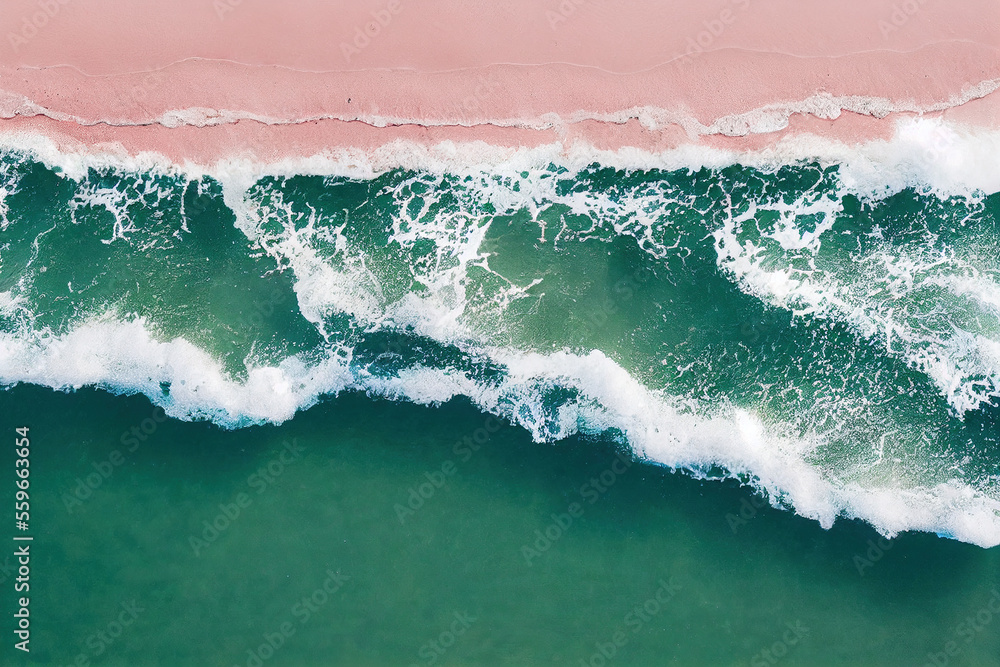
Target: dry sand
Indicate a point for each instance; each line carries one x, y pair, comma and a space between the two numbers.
202, 80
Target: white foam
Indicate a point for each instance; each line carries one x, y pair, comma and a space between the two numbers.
127, 357
934, 308
924, 152
965, 365
11, 303
773, 117
9, 184
767, 118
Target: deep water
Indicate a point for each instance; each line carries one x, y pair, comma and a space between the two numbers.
740, 574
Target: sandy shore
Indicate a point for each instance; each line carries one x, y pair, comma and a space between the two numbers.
208, 79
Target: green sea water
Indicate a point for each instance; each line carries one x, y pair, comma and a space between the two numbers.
516, 414
739, 584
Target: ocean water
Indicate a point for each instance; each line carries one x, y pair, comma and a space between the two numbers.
533, 410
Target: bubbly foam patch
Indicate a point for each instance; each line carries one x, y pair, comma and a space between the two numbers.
934, 305
9, 185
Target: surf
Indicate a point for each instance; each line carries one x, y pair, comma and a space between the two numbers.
823, 329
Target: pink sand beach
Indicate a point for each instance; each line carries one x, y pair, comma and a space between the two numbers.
203, 80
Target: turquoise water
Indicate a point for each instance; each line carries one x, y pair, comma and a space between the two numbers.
738, 584
746, 398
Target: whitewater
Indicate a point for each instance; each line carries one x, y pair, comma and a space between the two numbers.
818, 321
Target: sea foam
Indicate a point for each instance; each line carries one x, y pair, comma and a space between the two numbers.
951, 158
129, 356
124, 357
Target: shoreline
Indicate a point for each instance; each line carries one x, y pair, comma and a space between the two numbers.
727, 74
940, 150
